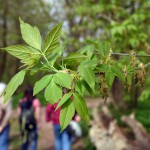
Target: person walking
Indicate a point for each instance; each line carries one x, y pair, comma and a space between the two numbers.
64, 139
29, 119
5, 112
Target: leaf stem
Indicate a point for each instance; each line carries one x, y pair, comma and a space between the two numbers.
51, 67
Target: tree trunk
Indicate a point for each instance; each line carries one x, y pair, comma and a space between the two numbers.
4, 37
117, 93
19, 41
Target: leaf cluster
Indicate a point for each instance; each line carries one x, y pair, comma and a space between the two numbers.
78, 72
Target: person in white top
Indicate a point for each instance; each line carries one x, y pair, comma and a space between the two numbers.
5, 112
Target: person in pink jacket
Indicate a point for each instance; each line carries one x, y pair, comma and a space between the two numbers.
63, 139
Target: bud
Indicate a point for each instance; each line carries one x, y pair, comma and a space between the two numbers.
133, 58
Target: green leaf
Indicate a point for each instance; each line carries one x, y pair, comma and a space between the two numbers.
117, 71
88, 88
81, 107
79, 88
63, 79
66, 114
55, 55
104, 49
134, 42
87, 50
52, 39
13, 85
129, 80
42, 83
53, 92
88, 63
74, 58
88, 75
109, 75
31, 35
102, 67
27, 54
109, 78
64, 99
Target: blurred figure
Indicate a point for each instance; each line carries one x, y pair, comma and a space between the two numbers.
5, 112
64, 139
29, 119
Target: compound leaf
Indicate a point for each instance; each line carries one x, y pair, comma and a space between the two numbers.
31, 35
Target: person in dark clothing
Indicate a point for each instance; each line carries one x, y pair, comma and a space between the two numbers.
29, 119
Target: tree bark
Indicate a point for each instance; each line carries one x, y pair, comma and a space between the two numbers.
4, 37
117, 93
19, 41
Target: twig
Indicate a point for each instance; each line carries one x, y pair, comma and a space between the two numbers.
123, 54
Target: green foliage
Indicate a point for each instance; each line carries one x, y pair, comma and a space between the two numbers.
88, 50
109, 77
31, 35
74, 58
42, 83
13, 85
63, 79
103, 49
67, 113
124, 24
88, 63
145, 95
78, 72
81, 107
88, 75
118, 72
52, 92
64, 99
33, 12
142, 114
79, 87
52, 40
24, 52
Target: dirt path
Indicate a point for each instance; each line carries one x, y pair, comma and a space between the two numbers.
46, 136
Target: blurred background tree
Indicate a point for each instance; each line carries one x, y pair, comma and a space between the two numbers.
125, 24
34, 12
